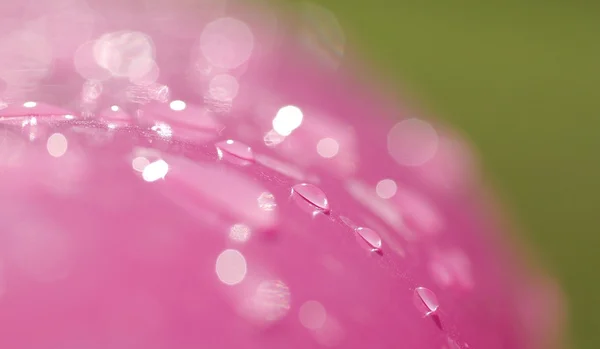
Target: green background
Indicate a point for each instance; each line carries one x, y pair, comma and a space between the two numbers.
522, 80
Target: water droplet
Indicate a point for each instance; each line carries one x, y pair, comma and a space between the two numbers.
370, 237
236, 149
425, 300
312, 194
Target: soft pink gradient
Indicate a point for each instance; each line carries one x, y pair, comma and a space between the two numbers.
181, 214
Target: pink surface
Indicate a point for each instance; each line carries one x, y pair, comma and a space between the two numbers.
212, 184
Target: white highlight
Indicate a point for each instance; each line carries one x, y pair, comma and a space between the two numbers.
287, 120
231, 267
177, 105
155, 171
328, 147
57, 145
386, 188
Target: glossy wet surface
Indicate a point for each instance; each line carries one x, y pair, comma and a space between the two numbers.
241, 197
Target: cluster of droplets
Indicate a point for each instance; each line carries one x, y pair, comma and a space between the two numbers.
312, 314
231, 266
224, 48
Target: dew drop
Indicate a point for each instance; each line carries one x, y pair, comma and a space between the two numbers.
425, 300
236, 149
313, 195
371, 238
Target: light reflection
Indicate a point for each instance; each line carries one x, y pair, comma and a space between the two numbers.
328, 147
287, 120
177, 105
268, 302
125, 53
266, 201
223, 87
240, 232
381, 208
163, 129
139, 163
30, 104
114, 108
412, 142
155, 171
452, 268
386, 188
273, 138
231, 267
312, 315
227, 43
57, 145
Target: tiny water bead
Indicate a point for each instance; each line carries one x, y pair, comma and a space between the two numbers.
313, 195
425, 300
237, 149
370, 237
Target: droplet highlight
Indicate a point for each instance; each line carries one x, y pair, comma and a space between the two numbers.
313, 195
425, 300
371, 238
237, 149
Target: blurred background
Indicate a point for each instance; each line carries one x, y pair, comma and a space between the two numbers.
521, 79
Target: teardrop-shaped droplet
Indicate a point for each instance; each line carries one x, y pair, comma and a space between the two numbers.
370, 237
237, 149
313, 195
425, 300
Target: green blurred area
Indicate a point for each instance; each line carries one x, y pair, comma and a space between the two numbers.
521, 79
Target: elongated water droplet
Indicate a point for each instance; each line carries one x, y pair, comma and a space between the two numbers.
312, 194
371, 238
425, 300
237, 149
